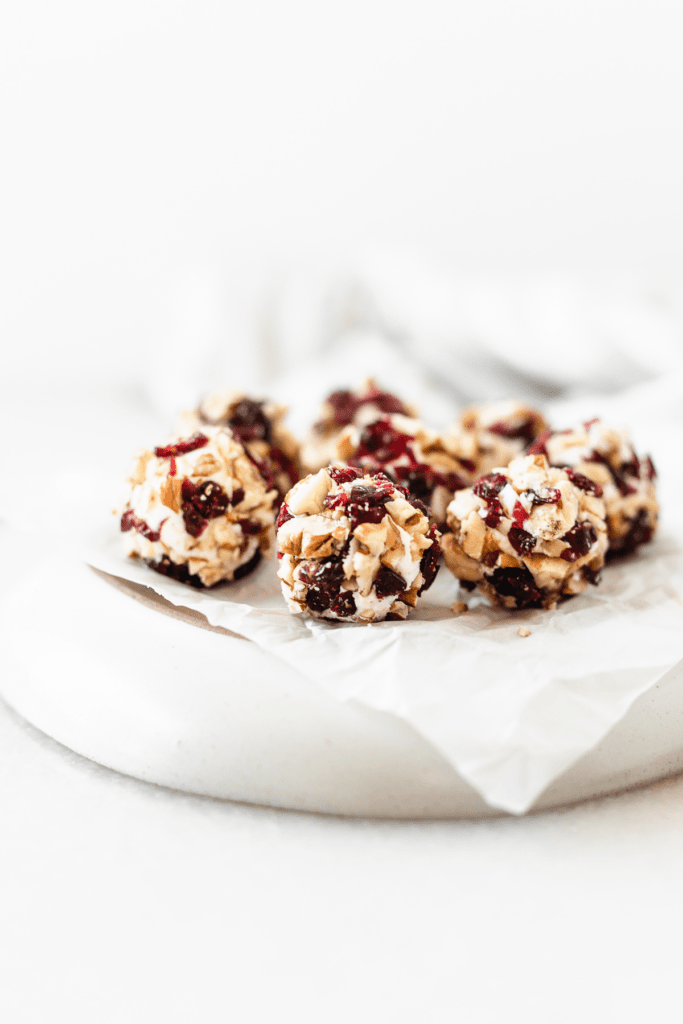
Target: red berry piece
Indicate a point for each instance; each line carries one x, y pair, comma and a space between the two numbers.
549, 496
324, 581
344, 405
584, 483
284, 515
580, 539
640, 532
388, 582
539, 445
384, 401
519, 514
366, 503
524, 431
429, 564
129, 521
494, 513
516, 583
203, 502
344, 605
522, 542
190, 444
249, 422
343, 474
488, 487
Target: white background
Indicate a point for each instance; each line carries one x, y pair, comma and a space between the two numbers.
161, 158
163, 164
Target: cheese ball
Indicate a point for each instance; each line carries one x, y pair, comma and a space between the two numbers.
411, 455
527, 535
257, 425
353, 548
606, 457
341, 409
493, 434
198, 510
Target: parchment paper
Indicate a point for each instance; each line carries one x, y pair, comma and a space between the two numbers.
510, 713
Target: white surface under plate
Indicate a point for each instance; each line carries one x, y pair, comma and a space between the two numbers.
157, 697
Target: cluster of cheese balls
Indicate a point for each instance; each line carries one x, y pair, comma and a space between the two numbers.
361, 510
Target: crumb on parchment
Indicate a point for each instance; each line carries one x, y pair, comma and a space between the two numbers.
523, 631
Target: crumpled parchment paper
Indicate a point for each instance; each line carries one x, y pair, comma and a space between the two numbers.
510, 713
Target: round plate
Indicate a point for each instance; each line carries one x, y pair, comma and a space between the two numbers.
130, 681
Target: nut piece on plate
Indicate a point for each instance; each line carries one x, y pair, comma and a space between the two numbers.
339, 410
409, 453
526, 535
601, 460
257, 425
198, 510
493, 434
354, 548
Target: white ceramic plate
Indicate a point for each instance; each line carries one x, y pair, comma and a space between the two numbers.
136, 684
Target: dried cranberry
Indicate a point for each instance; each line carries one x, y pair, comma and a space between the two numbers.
334, 501
650, 470
429, 564
519, 514
416, 503
344, 405
366, 503
284, 515
195, 524
550, 496
415, 481
640, 532
494, 513
517, 583
384, 401
181, 573
173, 469
249, 422
264, 470
580, 539
129, 521
343, 474
617, 475
632, 467
344, 606
182, 447
324, 580
584, 483
589, 423
522, 542
250, 527
203, 502
283, 463
381, 440
524, 431
539, 445
488, 487
388, 582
